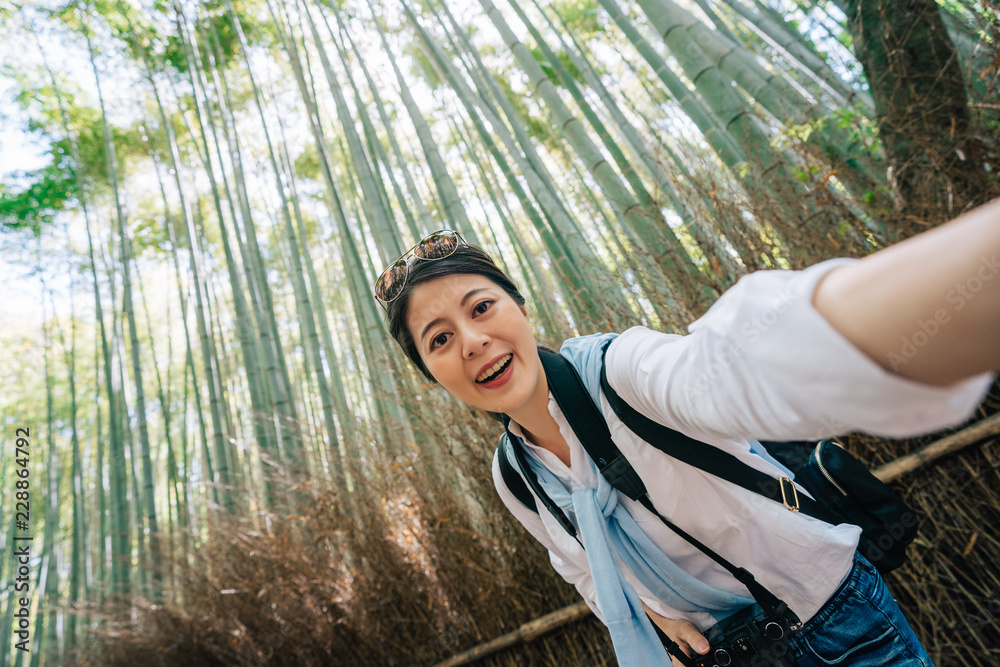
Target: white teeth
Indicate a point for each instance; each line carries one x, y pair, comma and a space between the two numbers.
493, 369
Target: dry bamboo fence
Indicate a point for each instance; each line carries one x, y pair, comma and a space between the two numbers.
887, 473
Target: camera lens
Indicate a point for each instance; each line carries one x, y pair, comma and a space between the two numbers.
773, 631
722, 657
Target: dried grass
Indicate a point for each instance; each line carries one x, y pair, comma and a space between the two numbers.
410, 581
385, 577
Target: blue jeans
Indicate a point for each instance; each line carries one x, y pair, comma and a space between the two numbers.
859, 626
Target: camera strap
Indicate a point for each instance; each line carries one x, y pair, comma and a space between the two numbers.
515, 482
591, 429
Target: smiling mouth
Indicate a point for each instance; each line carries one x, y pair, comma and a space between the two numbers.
496, 370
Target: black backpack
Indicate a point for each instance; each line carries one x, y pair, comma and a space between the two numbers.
842, 488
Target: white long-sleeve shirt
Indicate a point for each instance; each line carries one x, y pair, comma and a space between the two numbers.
761, 364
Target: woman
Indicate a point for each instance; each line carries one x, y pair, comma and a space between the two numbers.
899, 343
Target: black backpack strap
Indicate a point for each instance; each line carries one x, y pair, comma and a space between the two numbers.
592, 430
712, 460
511, 478
589, 425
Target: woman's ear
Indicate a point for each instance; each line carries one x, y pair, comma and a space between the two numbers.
524, 311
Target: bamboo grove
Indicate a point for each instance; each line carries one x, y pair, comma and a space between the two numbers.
226, 448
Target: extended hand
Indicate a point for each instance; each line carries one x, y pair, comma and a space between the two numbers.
685, 633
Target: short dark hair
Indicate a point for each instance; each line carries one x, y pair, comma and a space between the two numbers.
467, 259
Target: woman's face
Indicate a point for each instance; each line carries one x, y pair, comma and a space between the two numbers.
476, 341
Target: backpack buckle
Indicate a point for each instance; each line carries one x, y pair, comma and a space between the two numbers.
786, 482
621, 475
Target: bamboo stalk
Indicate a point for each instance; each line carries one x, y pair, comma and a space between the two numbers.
887, 473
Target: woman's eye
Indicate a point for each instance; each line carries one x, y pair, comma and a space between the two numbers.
439, 340
482, 307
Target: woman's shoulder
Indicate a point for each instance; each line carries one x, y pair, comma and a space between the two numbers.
587, 353
585, 344
634, 343
591, 345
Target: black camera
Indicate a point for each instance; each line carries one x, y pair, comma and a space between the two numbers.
751, 637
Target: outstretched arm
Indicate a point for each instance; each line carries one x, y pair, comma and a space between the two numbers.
927, 308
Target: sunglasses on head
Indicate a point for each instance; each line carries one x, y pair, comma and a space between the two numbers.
437, 245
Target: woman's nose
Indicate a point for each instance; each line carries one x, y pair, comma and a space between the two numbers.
474, 342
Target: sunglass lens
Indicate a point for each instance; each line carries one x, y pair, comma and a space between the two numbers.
391, 282
436, 246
